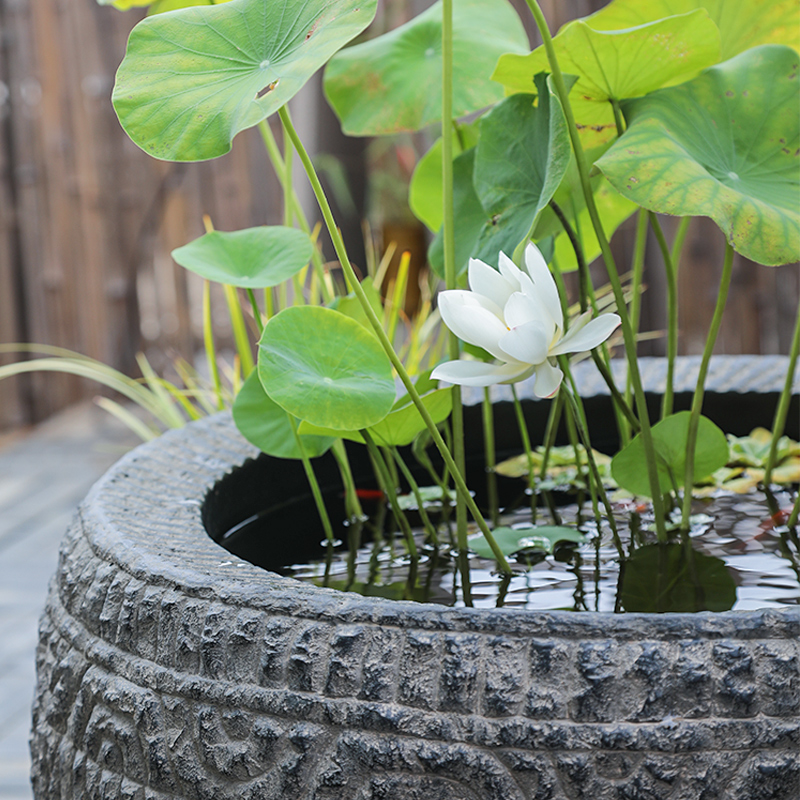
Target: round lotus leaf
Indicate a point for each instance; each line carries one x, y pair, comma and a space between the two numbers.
326, 368
520, 160
266, 425
613, 65
254, 258
394, 82
670, 437
724, 145
193, 78
742, 23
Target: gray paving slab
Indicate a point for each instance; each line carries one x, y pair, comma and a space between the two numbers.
43, 477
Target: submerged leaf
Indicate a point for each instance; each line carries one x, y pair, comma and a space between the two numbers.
660, 578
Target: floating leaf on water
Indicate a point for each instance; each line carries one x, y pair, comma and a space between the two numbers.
512, 540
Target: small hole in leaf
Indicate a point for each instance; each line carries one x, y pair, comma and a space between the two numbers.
267, 89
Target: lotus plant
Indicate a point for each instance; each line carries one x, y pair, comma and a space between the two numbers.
659, 107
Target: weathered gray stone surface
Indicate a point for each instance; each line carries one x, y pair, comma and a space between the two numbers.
169, 668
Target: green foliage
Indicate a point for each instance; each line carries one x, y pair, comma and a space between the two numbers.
742, 23
670, 437
325, 368
669, 577
266, 425
401, 426
613, 65
514, 540
394, 82
254, 258
224, 68
520, 159
723, 145
425, 191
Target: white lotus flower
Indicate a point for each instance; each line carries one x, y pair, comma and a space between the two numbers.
516, 316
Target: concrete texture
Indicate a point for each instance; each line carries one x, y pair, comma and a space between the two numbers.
44, 474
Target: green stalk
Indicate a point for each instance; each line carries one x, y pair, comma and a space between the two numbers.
583, 430
210, 347
312, 482
553, 418
526, 443
351, 501
239, 329
637, 268
697, 400
672, 314
792, 521
779, 422
448, 234
491, 461
622, 410
611, 268
377, 328
414, 486
677, 242
390, 490
274, 153
256, 312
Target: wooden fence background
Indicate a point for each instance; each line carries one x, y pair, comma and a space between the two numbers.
87, 221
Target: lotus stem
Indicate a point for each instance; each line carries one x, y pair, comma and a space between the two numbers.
430, 528
209, 346
611, 269
279, 166
672, 314
351, 501
779, 423
312, 482
390, 490
697, 399
448, 240
526, 443
489, 450
377, 328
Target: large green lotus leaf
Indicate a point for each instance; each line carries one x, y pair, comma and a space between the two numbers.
742, 23
394, 82
266, 425
254, 258
670, 436
521, 158
326, 368
613, 65
193, 78
724, 145
401, 426
425, 191
469, 218
659, 578
158, 6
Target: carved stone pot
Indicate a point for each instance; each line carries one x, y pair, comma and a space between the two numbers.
169, 668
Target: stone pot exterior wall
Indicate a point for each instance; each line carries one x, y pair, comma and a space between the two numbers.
169, 668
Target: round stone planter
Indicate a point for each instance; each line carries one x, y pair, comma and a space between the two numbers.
169, 668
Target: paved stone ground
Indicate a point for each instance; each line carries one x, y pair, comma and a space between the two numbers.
44, 474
